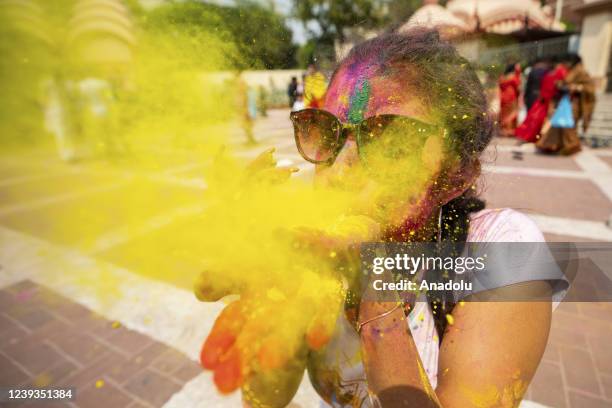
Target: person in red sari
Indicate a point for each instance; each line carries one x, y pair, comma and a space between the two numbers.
509, 90
529, 130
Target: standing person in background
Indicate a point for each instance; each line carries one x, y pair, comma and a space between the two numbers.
315, 86
298, 105
292, 91
529, 130
246, 108
534, 81
582, 92
509, 90
579, 90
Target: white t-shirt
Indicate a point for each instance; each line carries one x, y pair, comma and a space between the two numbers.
490, 225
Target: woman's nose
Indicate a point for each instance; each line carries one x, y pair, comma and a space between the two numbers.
347, 159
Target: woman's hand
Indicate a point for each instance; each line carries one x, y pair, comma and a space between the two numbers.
259, 343
263, 169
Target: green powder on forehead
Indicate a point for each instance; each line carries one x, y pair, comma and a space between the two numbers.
359, 101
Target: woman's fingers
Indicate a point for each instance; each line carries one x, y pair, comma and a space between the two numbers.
265, 160
263, 169
218, 343
223, 335
275, 175
229, 375
206, 291
321, 328
275, 388
275, 352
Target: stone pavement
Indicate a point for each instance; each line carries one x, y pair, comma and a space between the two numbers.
115, 333
46, 339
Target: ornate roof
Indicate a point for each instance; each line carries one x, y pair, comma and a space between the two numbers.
503, 16
495, 16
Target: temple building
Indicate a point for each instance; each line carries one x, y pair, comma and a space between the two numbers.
463, 17
502, 31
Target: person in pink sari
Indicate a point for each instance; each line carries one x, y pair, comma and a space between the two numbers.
529, 131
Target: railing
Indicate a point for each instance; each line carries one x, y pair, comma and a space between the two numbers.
528, 52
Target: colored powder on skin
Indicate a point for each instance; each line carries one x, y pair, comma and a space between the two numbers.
359, 102
483, 397
490, 396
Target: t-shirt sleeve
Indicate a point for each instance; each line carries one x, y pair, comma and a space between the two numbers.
516, 252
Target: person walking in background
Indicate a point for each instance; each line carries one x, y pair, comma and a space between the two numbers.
315, 86
292, 91
582, 90
529, 130
298, 105
576, 104
534, 81
246, 108
509, 90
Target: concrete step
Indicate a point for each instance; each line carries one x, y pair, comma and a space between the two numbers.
601, 126
600, 115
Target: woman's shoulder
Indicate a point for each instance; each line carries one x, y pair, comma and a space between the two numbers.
503, 225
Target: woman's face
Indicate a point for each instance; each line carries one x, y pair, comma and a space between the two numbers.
394, 179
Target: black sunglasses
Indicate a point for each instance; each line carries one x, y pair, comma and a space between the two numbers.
320, 136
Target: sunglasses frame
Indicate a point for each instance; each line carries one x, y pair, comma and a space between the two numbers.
341, 132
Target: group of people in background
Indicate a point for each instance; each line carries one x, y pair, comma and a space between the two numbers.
309, 93
558, 94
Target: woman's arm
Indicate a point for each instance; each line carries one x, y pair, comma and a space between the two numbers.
393, 368
487, 358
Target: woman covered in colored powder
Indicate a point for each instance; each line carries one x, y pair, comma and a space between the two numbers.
529, 130
403, 125
509, 90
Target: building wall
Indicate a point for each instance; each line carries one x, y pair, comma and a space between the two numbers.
271, 79
595, 45
568, 14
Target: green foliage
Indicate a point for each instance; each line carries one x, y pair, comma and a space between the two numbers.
333, 17
260, 37
401, 10
317, 51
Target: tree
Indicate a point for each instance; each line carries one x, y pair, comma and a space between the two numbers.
401, 10
258, 35
334, 17
261, 36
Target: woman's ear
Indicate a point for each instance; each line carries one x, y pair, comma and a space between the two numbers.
457, 180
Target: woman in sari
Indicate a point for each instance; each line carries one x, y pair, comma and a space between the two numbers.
509, 90
529, 130
579, 88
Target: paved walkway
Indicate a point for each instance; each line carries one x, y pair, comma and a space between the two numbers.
139, 336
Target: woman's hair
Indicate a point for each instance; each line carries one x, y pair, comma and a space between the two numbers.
446, 83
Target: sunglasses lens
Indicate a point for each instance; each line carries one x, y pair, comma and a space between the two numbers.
316, 133
388, 139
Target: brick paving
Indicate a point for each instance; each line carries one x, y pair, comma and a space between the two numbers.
47, 340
